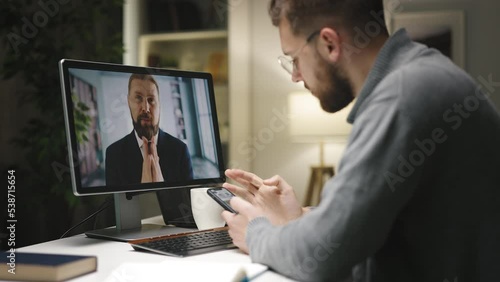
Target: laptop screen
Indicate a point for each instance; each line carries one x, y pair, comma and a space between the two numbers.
137, 128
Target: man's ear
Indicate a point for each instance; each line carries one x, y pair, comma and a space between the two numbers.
329, 44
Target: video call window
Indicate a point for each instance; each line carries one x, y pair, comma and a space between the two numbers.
185, 136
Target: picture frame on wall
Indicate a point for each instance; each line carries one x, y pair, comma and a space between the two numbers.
442, 30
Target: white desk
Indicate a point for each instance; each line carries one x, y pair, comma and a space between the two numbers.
111, 254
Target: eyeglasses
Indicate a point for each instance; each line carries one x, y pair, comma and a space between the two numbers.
288, 62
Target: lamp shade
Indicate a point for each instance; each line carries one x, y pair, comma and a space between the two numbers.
310, 123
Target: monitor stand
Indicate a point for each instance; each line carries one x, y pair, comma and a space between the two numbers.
128, 223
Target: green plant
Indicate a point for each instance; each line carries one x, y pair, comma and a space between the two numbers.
37, 35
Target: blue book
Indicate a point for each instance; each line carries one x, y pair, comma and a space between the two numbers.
44, 267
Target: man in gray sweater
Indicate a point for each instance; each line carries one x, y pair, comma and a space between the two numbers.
417, 193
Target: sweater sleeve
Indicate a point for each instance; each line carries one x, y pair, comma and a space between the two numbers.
374, 181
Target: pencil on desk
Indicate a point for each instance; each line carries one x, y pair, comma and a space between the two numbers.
240, 276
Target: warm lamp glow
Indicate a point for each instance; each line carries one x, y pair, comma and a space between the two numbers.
310, 123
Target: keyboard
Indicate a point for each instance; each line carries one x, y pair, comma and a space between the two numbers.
187, 244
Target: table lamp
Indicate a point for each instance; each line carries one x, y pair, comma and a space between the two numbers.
309, 123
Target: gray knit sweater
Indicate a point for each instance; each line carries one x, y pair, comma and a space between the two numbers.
417, 193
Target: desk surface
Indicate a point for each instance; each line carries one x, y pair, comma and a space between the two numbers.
111, 254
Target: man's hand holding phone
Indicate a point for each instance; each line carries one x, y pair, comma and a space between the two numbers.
222, 196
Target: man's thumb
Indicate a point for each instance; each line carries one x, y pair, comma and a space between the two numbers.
277, 181
273, 181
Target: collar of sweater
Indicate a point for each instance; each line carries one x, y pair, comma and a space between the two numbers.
387, 60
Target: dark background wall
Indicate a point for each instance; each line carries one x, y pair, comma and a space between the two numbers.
35, 35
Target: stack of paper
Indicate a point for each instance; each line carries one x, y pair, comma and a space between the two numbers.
185, 270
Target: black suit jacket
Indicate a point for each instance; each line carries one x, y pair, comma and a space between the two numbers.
124, 160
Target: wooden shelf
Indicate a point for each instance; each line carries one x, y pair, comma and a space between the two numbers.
177, 36
197, 46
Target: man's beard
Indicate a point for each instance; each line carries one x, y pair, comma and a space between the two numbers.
147, 131
336, 92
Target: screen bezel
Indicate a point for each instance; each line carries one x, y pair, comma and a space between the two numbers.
66, 64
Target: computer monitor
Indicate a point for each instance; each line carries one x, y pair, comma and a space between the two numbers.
135, 129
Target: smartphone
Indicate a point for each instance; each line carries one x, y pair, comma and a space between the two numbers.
222, 196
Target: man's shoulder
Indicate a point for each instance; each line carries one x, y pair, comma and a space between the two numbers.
120, 143
430, 77
429, 83
166, 138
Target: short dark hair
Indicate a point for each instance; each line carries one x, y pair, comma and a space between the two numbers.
141, 76
305, 16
